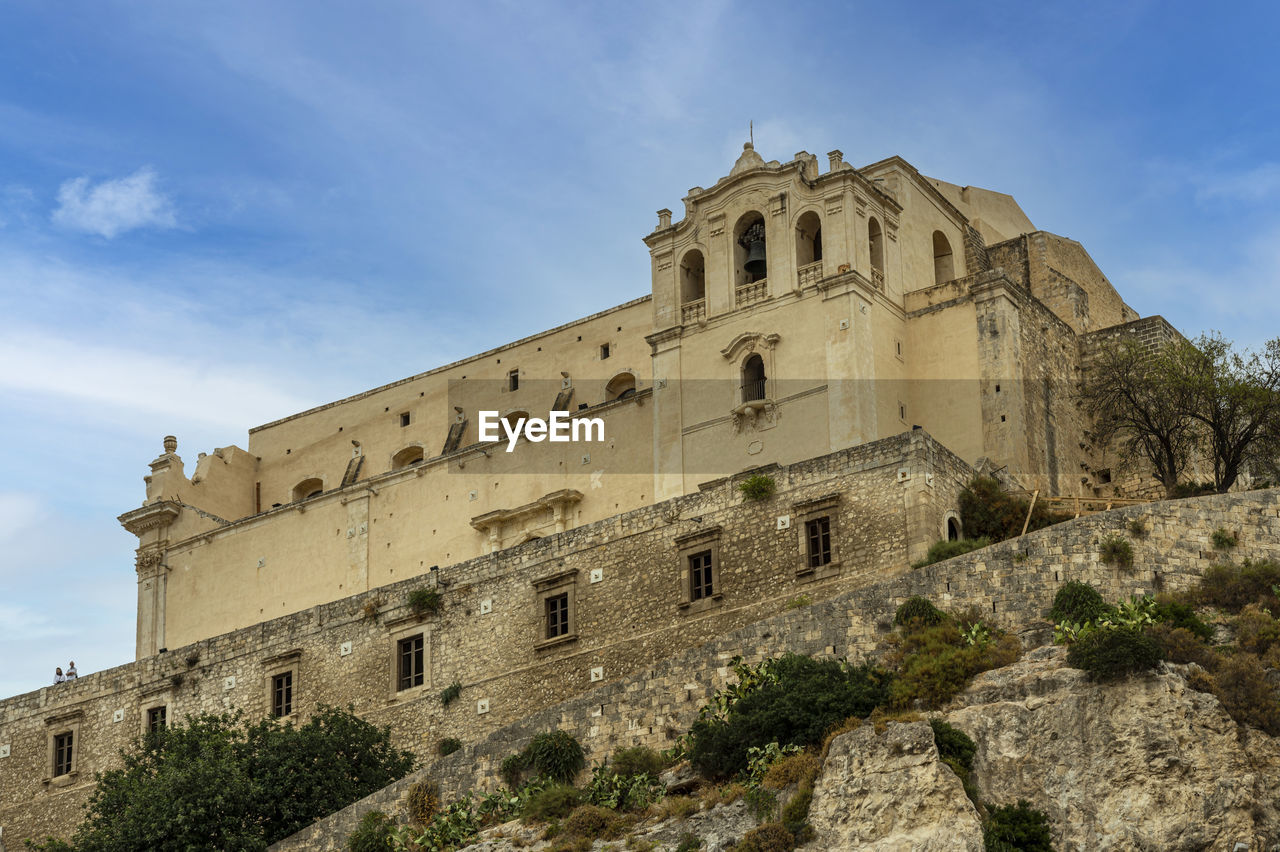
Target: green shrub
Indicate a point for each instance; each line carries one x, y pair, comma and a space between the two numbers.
513, 768
953, 743
373, 834
918, 611
1115, 653
1175, 613
556, 755
1016, 828
423, 601
640, 760
622, 792
935, 662
450, 693
1078, 603
1137, 528
1231, 587
795, 706
1223, 540
770, 837
449, 745
554, 802
987, 512
1256, 630
1117, 551
689, 843
941, 550
1193, 489
757, 487
423, 800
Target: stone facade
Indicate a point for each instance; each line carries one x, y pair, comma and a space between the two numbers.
629, 608
1012, 583
876, 299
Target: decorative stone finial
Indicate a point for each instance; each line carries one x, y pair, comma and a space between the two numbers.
836, 157
749, 160
170, 444
664, 218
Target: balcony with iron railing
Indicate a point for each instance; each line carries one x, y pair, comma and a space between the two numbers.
694, 312
809, 274
752, 292
753, 390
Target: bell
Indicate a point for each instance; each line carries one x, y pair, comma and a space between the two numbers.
755, 259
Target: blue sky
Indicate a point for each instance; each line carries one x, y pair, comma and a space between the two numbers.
216, 214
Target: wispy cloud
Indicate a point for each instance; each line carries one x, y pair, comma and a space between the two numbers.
113, 207
1259, 183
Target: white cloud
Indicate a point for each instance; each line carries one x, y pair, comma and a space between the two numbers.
114, 206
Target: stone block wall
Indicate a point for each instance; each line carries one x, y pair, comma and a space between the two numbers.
885, 499
1012, 583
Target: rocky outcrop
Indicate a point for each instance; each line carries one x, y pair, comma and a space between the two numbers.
891, 791
1145, 763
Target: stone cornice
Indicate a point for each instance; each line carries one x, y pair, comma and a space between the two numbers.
150, 516
562, 498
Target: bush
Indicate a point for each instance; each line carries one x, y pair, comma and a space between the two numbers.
987, 512
1231, 587
920, 611
1137, 528
807, 697
941, 550
953, 744
1016, 828
1241, 685
373, 834
622, 792
450, 693
1078, 603
1177, 614
1117, 551
1114, 653
449, 745
1193, 489
770, 837
555, 802
1256, 630
423, 601
935, 663
423, 800
640, 760
689, 843
594, 822
555, 755
1223, 540
1180, 645
757, 487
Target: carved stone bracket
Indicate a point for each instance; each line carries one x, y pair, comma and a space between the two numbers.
756, 415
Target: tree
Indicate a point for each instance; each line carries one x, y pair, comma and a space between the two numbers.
1234, 397
217, 783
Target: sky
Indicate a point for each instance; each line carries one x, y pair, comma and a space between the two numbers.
215, 214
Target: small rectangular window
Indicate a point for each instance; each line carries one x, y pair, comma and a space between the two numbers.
604, 351
513, 380
557, 615
62, 753
156, 718
411, 657
700, 580
902, 412
818, 535
404, 419
282, 694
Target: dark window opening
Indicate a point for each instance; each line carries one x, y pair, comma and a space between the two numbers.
156, 718
282, 694
817, 533
404, 419
700, 581
410, 652
1104, 475
753, 379
62, 753
513, 380
557, 615
604, 351
953, 530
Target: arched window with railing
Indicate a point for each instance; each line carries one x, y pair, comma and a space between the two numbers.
751, 260
808, 249
693, 287
753, 378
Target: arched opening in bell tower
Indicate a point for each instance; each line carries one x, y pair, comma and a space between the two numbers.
750, 262
808, 239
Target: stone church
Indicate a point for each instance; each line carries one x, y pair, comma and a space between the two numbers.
866, 338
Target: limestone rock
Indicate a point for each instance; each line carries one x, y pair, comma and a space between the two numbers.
891, 792
1145, 763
